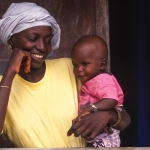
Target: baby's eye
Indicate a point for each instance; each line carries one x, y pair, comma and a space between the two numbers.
84, 63
74, 64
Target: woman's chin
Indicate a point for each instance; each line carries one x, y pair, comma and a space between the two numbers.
37, 65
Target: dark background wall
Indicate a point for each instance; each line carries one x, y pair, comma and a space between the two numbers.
120, 54
130, 51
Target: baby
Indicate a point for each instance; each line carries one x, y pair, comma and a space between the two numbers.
100, 90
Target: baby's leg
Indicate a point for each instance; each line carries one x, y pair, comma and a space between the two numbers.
97, 143
106, 139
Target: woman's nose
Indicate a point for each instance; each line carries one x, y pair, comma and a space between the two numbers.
41, 46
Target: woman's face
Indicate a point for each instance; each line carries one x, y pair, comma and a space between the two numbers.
35, 40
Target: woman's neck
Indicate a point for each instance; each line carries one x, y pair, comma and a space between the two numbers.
35, 74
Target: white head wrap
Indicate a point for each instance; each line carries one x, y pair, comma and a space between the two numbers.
21, 16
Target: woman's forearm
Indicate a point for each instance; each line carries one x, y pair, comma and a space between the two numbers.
92, 124
5, 88
124, 119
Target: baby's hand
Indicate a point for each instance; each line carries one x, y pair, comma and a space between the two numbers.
74, 120
83, 113
78, 118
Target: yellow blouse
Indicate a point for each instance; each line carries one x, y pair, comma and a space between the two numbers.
40, 114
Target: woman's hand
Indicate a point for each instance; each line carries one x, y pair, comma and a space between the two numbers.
18, 58
92, 124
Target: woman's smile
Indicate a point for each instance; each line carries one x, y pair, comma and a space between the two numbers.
38, 56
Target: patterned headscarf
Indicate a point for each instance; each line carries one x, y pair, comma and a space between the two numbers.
21, 16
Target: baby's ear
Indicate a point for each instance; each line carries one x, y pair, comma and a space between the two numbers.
103, 64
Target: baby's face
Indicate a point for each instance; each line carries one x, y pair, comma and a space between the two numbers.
86, 64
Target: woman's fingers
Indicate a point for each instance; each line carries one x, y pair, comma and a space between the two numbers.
18, 58
90, 125
78, 128
27, 64
90, 133
73, 129
93, 128
81, 129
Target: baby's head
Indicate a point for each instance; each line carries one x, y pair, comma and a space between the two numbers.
89, 56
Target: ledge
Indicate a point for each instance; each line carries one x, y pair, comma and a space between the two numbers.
86, 148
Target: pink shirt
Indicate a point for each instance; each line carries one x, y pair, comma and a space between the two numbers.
102, 86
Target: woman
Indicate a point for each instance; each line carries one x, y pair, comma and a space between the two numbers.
37, 94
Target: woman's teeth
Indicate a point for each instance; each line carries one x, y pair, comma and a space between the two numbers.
37, 56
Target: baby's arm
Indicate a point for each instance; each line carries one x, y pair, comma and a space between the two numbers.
103, 104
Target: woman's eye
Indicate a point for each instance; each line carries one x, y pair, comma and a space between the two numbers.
32, 39
48, 41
